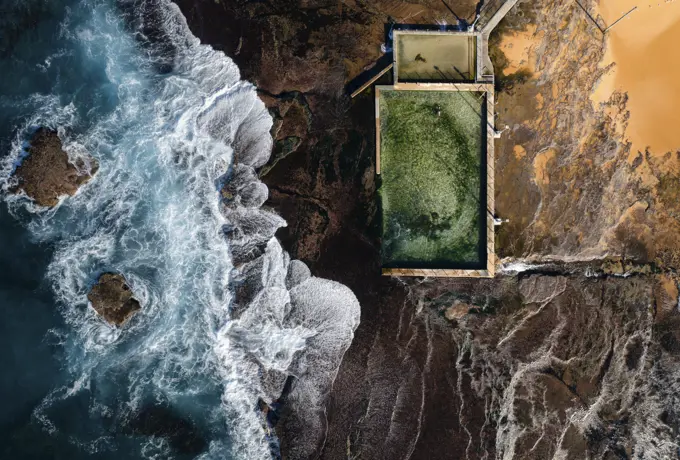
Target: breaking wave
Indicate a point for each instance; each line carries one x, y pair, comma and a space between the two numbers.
226, 315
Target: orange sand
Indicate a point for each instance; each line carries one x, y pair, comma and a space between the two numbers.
645, 47
519, 151
519, 49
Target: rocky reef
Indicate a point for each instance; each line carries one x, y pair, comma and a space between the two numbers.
565, 359
113, 299
47, 172
160, 420
541, 366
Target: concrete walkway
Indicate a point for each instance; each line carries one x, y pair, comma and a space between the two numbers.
498, 15
485, 72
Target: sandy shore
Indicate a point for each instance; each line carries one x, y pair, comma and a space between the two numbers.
644, 48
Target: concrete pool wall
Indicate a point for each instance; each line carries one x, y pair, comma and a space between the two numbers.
484, 268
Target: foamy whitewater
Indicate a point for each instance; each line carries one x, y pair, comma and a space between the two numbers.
171, 124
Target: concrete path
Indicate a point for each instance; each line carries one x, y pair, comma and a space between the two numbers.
496, 18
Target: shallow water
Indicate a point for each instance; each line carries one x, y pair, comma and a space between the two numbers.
431, 191
164, 115
436, 57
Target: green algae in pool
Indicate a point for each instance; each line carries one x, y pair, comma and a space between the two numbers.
432, 191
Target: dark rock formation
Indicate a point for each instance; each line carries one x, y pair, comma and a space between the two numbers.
112, 298
162, 421
46, 174
147, 22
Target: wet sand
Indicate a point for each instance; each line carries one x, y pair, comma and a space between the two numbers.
645, 49
520, 49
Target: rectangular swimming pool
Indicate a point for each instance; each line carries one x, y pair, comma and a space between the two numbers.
433, 178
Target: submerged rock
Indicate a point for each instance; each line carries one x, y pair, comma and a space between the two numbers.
46, 174
112, 299
162, 421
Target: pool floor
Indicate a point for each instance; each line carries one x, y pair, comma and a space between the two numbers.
432, 154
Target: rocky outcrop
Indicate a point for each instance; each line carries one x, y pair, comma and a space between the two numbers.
541, 366
113, 300
47, 173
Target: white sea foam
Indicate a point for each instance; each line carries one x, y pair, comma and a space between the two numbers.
153, 213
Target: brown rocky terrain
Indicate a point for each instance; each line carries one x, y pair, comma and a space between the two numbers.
47, 173
571, 187
162, 422
565, 360
113, 299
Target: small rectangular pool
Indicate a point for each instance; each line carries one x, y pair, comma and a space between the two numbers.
432, 56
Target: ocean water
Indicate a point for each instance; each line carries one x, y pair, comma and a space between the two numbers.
171, 123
